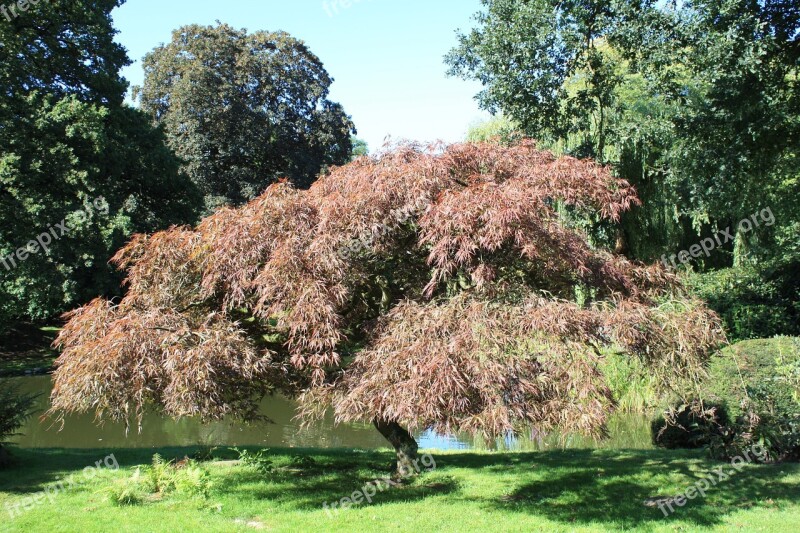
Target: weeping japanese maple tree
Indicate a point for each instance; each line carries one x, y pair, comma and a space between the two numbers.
433, 287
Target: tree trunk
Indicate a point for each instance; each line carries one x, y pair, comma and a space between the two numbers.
5, 457
404, 446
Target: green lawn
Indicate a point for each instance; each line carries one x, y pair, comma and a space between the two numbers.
542, 491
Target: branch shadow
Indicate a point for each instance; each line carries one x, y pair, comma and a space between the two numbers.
572, 486
584, 486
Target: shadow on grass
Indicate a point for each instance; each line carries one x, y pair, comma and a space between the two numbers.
574, 486
584, 486
32, 470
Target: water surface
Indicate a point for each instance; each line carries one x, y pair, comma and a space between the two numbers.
80, 431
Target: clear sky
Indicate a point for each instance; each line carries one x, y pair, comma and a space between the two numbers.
386, 56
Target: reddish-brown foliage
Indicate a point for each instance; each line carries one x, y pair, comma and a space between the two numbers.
430, 286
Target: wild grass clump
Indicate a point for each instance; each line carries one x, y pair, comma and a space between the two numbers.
258, 461
160, 479
634, 389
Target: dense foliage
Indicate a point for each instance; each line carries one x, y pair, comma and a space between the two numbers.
751, 396
77, 167
421, 288
753, 301
244, 110
691, 426
758, 382
694, 103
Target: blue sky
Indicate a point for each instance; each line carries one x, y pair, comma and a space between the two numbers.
385, 55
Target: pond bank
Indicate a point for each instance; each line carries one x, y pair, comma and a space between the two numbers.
25, 350
626, 430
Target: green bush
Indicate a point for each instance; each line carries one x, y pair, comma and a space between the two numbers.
302, 461
259, 461
758, 381
758, 374
15, 409
161, 475
756, 385
690, 426
753, 301
126, 492
193, 480
160, 479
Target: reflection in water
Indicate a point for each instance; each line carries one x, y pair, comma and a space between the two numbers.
284, 431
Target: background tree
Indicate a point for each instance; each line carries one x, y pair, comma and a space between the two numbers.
63, 48
525, 52
360, 147
695, 105
66, 140
422, 288
243, 110
736, 110
498, 129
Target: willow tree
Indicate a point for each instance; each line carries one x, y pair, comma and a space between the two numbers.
423, 288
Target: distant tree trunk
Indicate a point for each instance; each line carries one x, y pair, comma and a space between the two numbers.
5, 457
404, 446
621, 243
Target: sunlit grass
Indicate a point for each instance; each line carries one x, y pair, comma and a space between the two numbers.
574, 490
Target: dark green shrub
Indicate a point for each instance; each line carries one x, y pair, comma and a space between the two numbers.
758, 382
755, 389
690, 426
757, 374
753, 302
15, 409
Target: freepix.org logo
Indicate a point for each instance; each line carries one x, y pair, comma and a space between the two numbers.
12, 11
55, 232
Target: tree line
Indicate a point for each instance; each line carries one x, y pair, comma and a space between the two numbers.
222, 114
694, 103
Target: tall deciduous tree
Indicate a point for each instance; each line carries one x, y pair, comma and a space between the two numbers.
695, 103
66, 140
525, 52
63, 47
421, 288
244, 110
737, 128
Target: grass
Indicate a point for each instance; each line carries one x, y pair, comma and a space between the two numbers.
634, 389
577, 490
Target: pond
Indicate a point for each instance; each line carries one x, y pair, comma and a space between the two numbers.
627, 431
